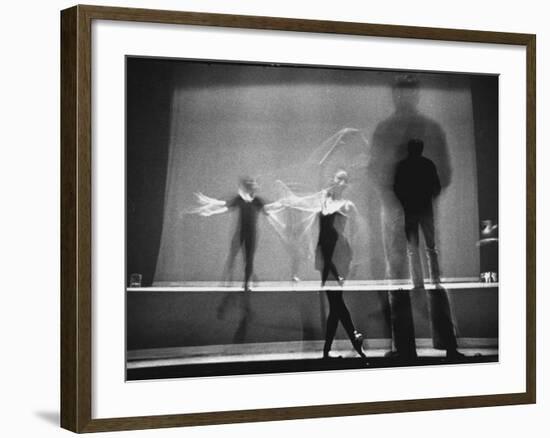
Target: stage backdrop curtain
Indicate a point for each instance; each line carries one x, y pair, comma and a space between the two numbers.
232, 120
149, 95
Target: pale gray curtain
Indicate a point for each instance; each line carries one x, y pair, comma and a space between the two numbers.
234, 120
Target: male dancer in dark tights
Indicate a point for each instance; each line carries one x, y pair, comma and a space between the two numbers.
245, 237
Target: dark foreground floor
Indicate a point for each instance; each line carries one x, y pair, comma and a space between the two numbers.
219, 368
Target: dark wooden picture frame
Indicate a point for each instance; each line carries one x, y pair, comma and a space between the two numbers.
76, 218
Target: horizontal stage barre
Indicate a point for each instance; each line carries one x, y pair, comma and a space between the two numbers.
311, 286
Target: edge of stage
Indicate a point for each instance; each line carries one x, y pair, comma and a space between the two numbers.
173, 330
290, 357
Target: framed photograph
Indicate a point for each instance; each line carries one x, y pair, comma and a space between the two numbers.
268, 218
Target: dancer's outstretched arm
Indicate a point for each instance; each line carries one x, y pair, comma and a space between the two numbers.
272, 210
274, 207
207, 206
308, 203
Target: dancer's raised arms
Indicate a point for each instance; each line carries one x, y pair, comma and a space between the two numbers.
207, 206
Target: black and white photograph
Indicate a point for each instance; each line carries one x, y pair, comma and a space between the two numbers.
308, 218
267, 219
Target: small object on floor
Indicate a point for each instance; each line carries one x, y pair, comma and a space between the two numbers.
365, 361
296, 279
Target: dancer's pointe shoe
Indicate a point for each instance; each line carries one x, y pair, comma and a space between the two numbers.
341, 280
357, 343
358, 339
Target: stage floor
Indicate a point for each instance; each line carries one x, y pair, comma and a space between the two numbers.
276, 357
175, 329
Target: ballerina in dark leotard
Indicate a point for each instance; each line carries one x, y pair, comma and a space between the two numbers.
328, 238
335, 210
333, 254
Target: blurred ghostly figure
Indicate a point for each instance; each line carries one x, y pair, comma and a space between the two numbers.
294, 237
389, 146
248, 206
324, 161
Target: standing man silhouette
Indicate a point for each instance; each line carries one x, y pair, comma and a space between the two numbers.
416, 184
